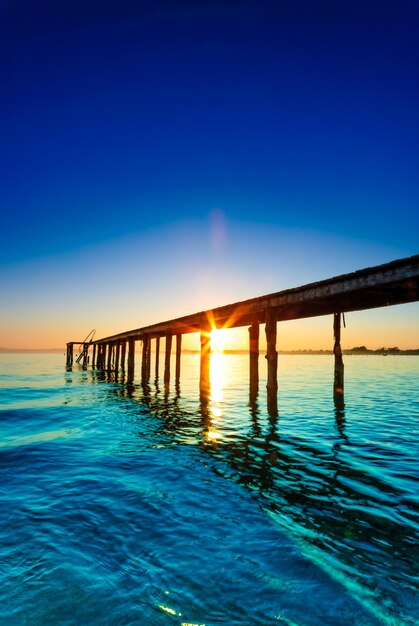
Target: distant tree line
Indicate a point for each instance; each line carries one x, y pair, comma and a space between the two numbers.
356, 350
383, 350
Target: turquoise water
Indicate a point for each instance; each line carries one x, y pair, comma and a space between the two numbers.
142, 506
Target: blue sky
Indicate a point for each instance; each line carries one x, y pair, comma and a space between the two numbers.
127, 128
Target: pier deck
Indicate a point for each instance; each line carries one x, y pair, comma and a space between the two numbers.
383, 285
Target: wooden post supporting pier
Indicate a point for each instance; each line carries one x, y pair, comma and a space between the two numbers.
167, 359
204, 372
131, 360
117, 355
338, 382
254, 357
94, 355
156, 369
145, 361
148, 361
178, 353
101, 363
123, 353
85, 354
103, 356
143, 358
272, 358
271, 353
69, 361
98, 355
109, 363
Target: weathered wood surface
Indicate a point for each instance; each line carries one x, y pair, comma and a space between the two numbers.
392, 283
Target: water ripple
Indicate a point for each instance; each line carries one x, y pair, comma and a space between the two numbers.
144, 507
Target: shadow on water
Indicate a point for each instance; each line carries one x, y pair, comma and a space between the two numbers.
363, 528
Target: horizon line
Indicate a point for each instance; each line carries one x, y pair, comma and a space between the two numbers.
358, 349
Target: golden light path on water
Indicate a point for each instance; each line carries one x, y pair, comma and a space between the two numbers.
218, 364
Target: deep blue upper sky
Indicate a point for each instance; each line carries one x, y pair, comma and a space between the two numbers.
117, 116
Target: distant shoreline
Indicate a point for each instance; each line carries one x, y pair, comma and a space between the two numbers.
30, 350
350, 351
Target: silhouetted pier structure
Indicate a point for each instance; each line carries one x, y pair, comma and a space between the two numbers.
383, 285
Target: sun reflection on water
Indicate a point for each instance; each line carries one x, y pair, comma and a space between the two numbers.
217, 381
217, 378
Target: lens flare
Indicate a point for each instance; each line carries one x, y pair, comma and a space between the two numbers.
221, 338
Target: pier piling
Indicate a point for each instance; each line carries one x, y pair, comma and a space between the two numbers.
85, 354
123, 354
148, 360
178, 353
109, 361
131, 360
167, 359
156, 366
70, 349
145, 360
254, 357
117, 355
204, 372
101, 358
338, 381
271, 353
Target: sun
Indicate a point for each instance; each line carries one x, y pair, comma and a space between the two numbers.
219, 338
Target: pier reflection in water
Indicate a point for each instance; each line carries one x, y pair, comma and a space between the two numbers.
340, 479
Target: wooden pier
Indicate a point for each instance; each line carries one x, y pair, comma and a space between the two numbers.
383, 285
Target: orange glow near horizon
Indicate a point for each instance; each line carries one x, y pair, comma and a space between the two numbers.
388, 326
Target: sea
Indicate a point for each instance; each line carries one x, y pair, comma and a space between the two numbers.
152, 505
